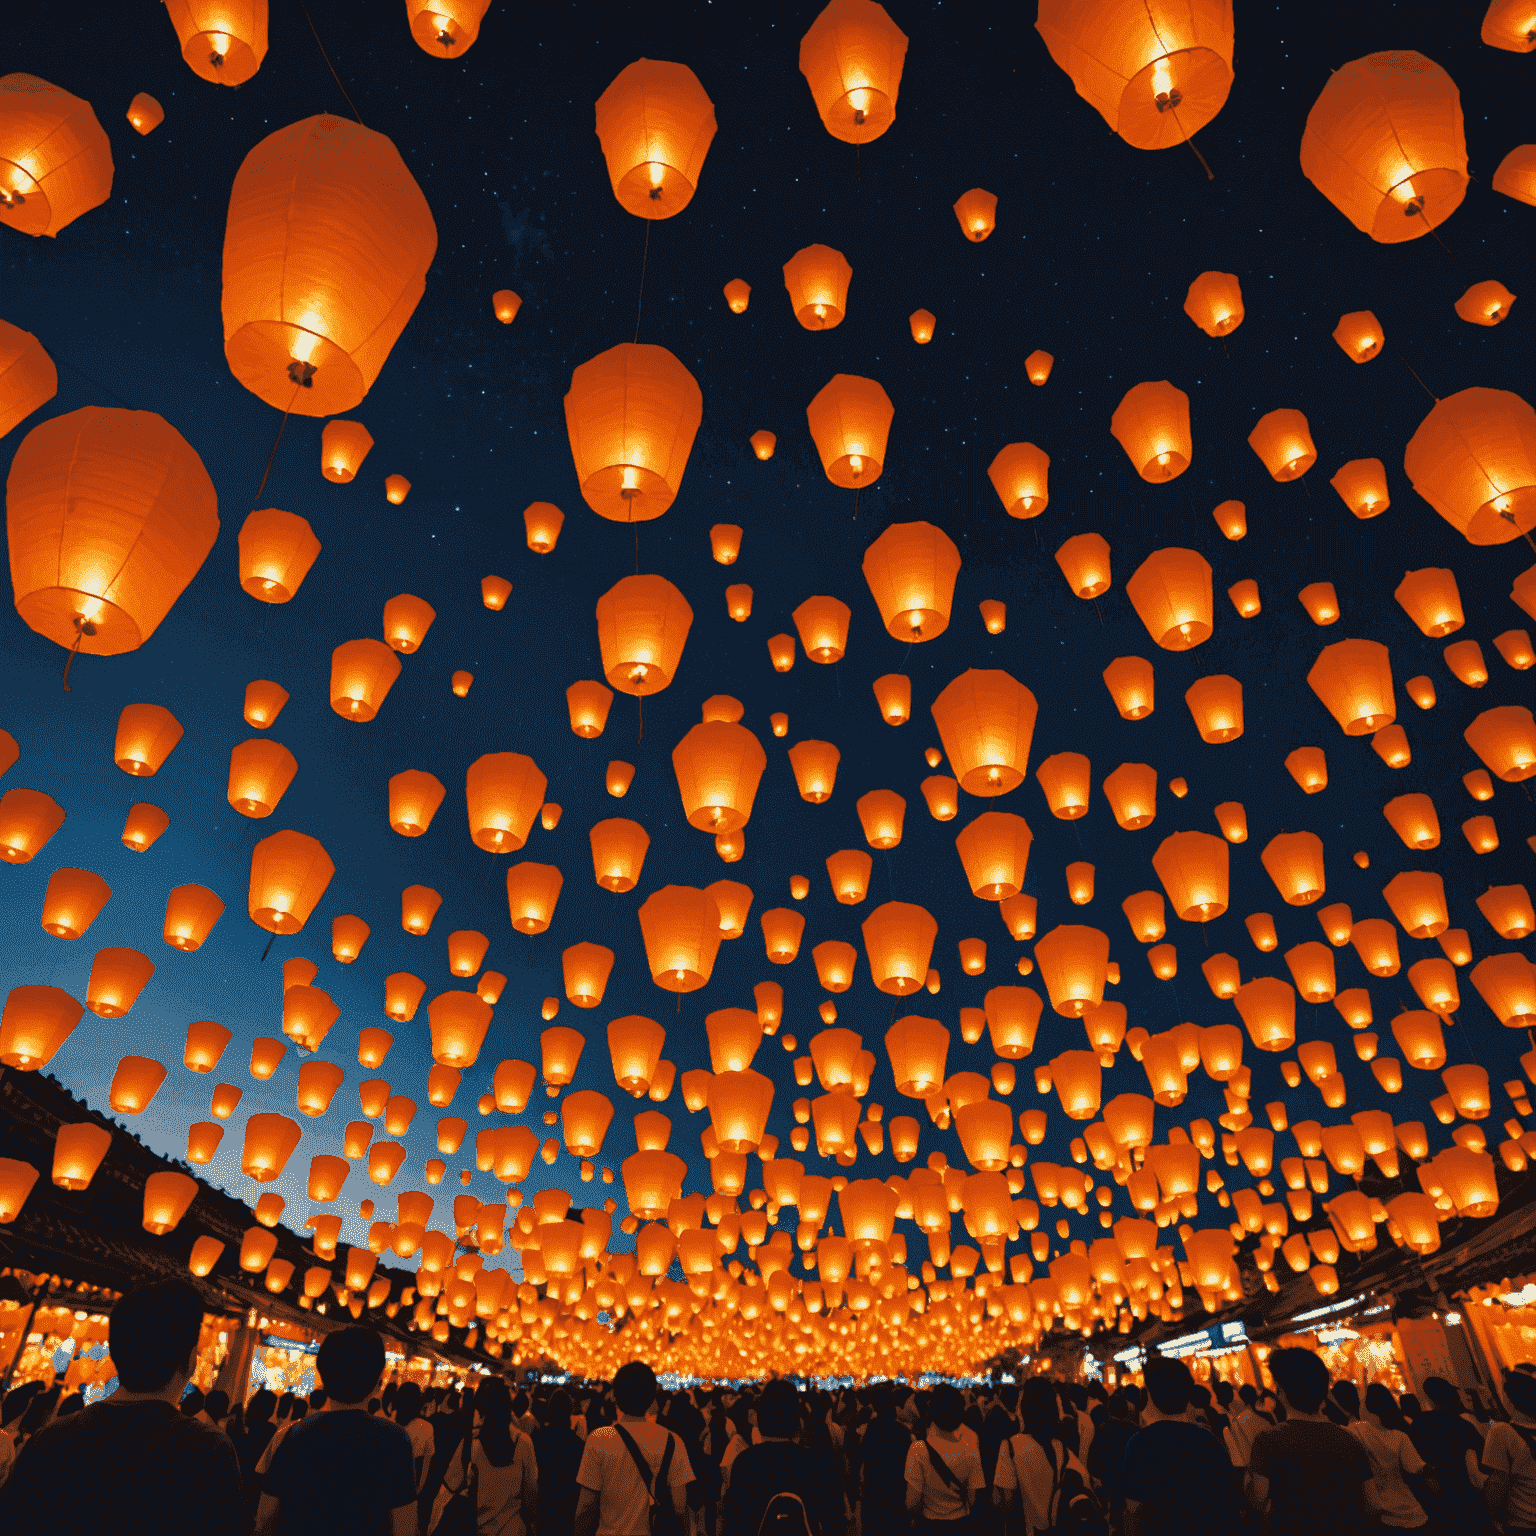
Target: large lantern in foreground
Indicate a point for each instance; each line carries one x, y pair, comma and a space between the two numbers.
110, 514
852, 58
911, 570
55, 158
718, 767
1353, 678
289, 874
655, 123
986, 720
223, 41
326, 251
445, 28
1473, 459
1157, 73
1171, 593
1385, 145
631, 414
642, 627
850, 422
1152, 424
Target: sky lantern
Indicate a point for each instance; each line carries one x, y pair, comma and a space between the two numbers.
1417, 900
269, 1142
1077, 1078
735, 903
655, 124
911, 570
882, 814
584, 1118
1359, 335
190, 913
289, 874
1268, 1009
466, 951
118, 975
834, 961
985, 1129
1384, 143
406, 622
1144, 912
849, 871
260, 772
893, 693
459, 1021
822, 623
504, 792
73, 901
1020, 476
362, 673
977, 213
146, 735
57, 159
110, 515
1295, 864
850, 422
852, 58
917, 1048
635, 1046
1283, 441
308, 1013
642, 627
588, 704
414, 797
78, 1151
1130, 682
739, 1103
1064, 778
815, 768
898, 941
1431, 598
1505, 740
1216, 705
618, 854
28, 378
1311, 968
1171, 593
1156, 73
631, 415
167, 1198
1232, 518
222, 41
994, 849
317, 1085
343, 447
1414, 820
986, 720
445, 29
418, 906
1193, 869
1485, 303
1509, 914
586, 968
922, 322
326, 250
681, 929
1132, 794
1353, 678
1507, 983
1516, 174
1152, 424
719, 766
1084, 561
1215, 303
36, 1021
1073, 962
817, 280
1509, 24
277, 550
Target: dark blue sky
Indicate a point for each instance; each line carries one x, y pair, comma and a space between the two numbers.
1094, 249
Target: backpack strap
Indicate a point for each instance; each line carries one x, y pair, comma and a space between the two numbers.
943, 1469
641, 1464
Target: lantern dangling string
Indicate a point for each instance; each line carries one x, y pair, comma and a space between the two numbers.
324, 55
82, 629
281, 425
1438, 241
1422, 385
644, 256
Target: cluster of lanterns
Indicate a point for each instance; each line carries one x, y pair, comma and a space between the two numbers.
111, 514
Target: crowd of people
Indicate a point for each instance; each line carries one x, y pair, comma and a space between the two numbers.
624, 1458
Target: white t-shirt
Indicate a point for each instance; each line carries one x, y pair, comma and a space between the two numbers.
1505, 1450
1392, 1454
1022, 1464
607, 1468
501, 1493
939, 1500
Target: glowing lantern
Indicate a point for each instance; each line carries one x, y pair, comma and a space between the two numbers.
414, 797
1065, 779
1152, 424
28, 377
1508, 910
882, 814
1414, 820
1468, 1178
586, 969
1073, 961
977, 213
403, 993
922, 322
78, 1151
1132, 794
1516, 174
618, 854
1473, 459
1020, 476
1514, 645
1384, 144
260, 772
58, 161
1485, 303
642, 627
117, 975
1311, 967
348, 935
681, 929
277, 550
459, 1021
1283, 442
362, 673
289, 875
850, 422
739, 1103
1363, 485
655, 124
734, 902
1294, 861
782, 931
911, 570
1321, 602
852, 58
1216, 704
1077, 1077
718, 768
72, 902
995, 852
1507, 983
311, 308
1353, 678
1505, 740
1215, 303
504, 792
1171, 593
190, 913
584, 1119
269, 1143
1268, 1009
1417, 900
1130, 683
1157, 74
1309, 767
167, 1198
898, 941
986, 720
1084, 561
1193, 869
28, 818
631, 414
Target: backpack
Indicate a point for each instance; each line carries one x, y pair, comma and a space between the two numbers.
1073, 1509
785, 1516
664, 1521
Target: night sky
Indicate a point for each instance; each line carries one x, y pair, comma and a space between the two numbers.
1095, 246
